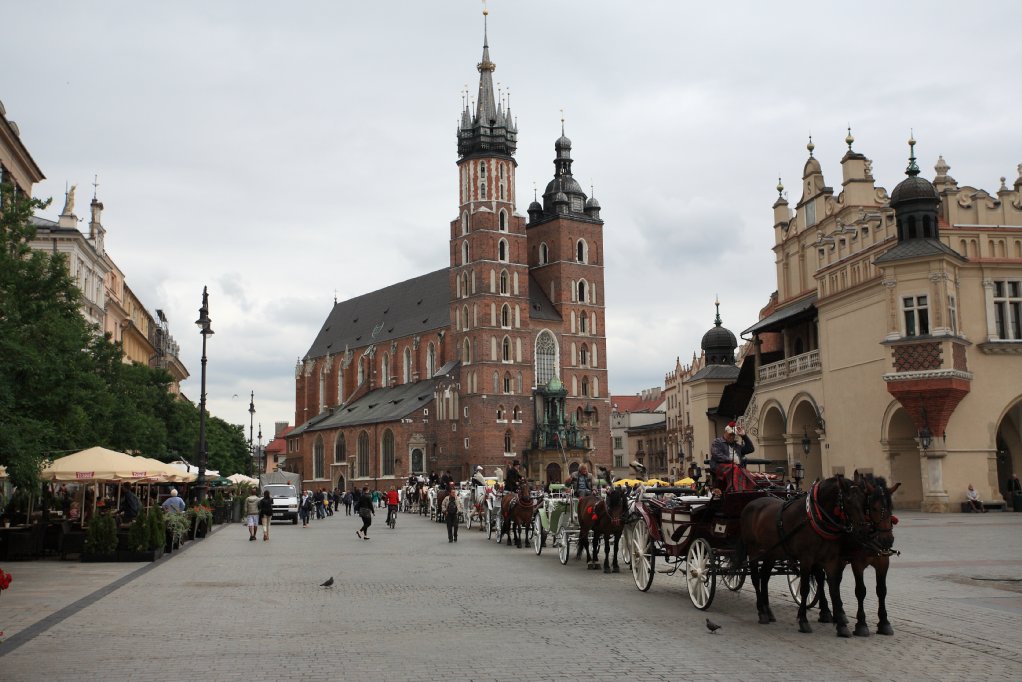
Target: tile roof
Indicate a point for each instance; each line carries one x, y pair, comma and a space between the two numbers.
417, 305
278, 446
381, 405
917, 248
634, 403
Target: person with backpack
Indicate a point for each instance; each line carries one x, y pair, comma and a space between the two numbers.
305, 509
452, 507
266, 513
347, 502
366, 511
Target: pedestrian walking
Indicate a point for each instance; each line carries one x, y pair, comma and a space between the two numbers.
266, 513
347, 502
252, 513
366, 511
305, 509
452, 508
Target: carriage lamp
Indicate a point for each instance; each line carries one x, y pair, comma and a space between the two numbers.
798, 473
806, 443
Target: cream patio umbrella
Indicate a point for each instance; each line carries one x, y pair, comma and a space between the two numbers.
242, 478
96, 464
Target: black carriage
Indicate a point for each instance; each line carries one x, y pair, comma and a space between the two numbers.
697, 534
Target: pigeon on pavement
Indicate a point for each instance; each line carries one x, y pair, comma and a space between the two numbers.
328, 583
711, 626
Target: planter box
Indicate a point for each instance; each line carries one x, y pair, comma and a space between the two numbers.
149, 555
96, 558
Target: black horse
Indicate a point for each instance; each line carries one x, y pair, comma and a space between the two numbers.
874, 550
605, 518
809, 529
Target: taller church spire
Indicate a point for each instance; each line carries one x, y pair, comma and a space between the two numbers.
490, 130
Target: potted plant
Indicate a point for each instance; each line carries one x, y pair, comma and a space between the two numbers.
140, 541
156, 527
177, 526
101, 539
202, 520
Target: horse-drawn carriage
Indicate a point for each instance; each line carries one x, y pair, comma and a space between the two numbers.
698, 534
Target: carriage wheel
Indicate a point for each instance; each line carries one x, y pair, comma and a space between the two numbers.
732, 576
489, 523
537, 534
700, 574
643, 557
793, 585
563, 544
625, 545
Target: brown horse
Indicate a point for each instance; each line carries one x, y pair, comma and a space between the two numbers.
516, 512
809, 529
605, 518
875, 551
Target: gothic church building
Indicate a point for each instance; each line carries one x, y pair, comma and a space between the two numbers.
499, 356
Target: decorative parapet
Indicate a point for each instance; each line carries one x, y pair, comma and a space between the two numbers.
798, 365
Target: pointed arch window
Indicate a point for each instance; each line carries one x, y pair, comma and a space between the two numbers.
464, 252
501, 415
464, 223
340, 449
363, 455
505, 350
508, 383
430, 361
585, 387
500, 169
340, 386
503, 282
317, 458
582, 251
464, 317
408, 366
583, 355
544, 254
582, 288
582, 322
546, 358
388, 453
516, 414
482, 180
502, 250
502, 216
361, 371
385, 370
466, 353
508, 443
505, 316
464, 285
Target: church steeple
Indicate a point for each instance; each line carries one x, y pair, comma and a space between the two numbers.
490, 130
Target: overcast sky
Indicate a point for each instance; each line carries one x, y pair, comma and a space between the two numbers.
282, 152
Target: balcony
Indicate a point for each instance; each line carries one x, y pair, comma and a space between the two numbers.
798, 365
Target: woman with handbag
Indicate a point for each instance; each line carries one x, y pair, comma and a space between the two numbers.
366, 511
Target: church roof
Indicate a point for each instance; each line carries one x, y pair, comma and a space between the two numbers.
417, 305
540, 306
381, 405
916, 248
715, 372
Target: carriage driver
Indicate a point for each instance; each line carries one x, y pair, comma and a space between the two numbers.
726, 453
581, 482
478, 479
514, 477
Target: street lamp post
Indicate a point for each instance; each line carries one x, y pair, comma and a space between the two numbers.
204, 328
251, 441
260, 454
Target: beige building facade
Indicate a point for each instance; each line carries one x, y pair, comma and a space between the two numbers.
893, 343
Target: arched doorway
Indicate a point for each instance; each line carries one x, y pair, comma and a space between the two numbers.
802, 426
553, 473
771, 439
1009, 445
906, 468
339, 483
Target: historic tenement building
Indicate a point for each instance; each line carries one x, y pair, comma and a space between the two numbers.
499, 355
893, 343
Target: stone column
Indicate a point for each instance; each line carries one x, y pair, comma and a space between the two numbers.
935, 497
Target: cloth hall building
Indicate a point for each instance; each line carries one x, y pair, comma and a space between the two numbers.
500, 355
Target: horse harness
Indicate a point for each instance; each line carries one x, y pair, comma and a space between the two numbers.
827, 525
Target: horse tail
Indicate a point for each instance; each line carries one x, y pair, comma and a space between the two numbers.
741, 554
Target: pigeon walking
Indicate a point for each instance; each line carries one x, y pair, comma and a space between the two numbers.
328, 583
711, 626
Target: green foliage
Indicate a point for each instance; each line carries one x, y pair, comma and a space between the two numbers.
157, 529
65, 388
138, 534
178, 524
101, 536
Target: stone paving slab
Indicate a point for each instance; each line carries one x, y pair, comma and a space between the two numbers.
408, 605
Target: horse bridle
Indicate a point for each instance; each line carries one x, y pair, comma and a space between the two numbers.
869, 543
825, 524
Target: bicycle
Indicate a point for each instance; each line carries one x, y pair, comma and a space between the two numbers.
391, 516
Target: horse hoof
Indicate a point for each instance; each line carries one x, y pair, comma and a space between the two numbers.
826, 617
861, 630
764, 619
885, 629
615, 570
770, 615
606, 570
842, 631
804, 627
